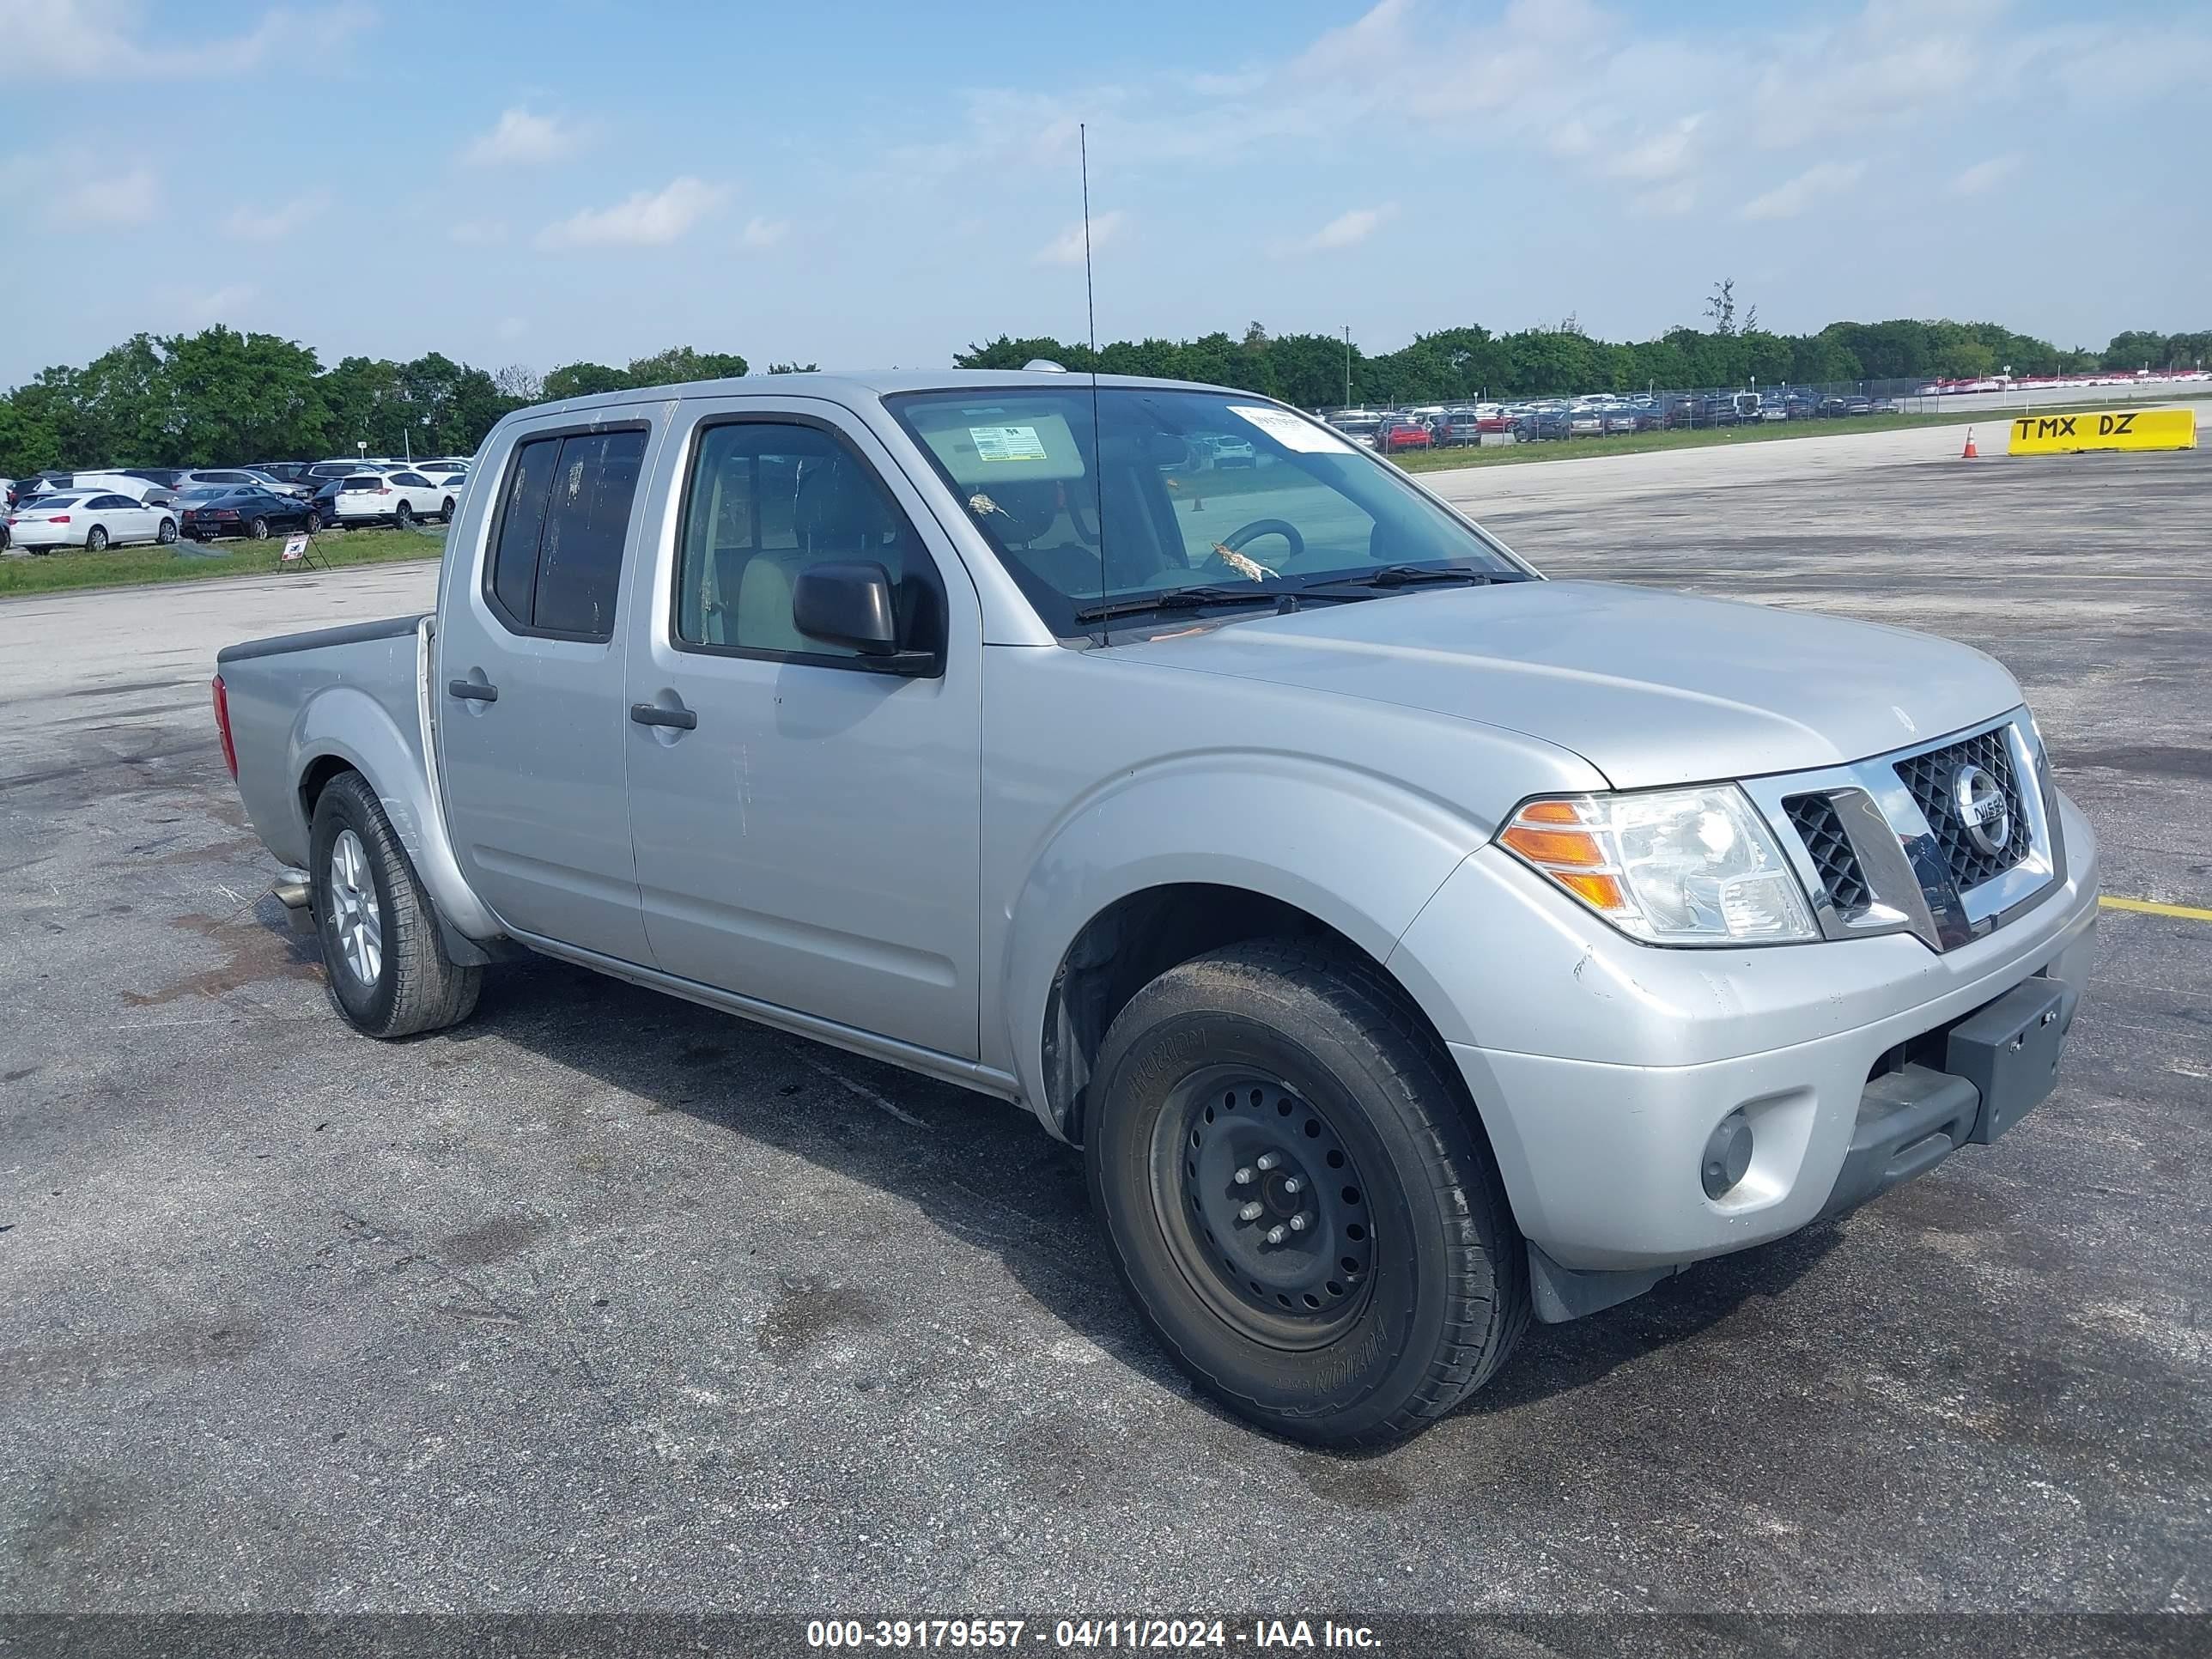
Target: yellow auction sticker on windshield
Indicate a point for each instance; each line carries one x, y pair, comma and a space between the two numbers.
1007, 443
1292, 431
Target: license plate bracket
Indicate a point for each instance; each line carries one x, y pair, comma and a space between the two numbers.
2009, 1051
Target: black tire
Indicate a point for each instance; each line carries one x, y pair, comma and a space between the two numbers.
167, 533
96, 539
258, 529
1434, 1295
414, 987
446, 513
404, 517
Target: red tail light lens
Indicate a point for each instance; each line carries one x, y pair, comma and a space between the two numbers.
222, 727
58, 518
382, 490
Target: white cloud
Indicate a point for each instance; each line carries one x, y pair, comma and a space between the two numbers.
652, 218
1662, 154
1982, 175
764, 233
112, 40
477, 233
274, 223
1066, 248
1665, 202
1348, 229
521, 138
131, 198
202, 306
1789, 199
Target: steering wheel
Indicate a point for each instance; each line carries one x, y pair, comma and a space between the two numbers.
1234, 542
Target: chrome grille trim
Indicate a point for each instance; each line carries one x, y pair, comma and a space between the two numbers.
1907, 867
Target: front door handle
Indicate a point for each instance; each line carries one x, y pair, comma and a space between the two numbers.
652, 713
473, 691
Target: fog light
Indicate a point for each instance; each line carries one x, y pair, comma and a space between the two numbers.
1728, 1155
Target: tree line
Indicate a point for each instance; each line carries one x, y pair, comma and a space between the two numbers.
1463, 364
222, 396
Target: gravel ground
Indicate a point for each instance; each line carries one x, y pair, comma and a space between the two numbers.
603, 1301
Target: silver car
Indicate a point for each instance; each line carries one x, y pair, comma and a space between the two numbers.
1411, 944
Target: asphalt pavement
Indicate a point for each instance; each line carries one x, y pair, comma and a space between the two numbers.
605, 1302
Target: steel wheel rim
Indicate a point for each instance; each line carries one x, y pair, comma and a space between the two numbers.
355, 917
1297, 1274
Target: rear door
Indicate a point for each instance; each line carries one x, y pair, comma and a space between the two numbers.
532, 727
807, 836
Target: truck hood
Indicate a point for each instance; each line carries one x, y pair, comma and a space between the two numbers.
1651, 688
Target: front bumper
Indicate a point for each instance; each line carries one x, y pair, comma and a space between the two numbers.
1601, 1067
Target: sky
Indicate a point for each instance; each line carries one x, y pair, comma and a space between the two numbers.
882, 182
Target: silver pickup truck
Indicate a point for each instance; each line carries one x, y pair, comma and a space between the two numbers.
1411, 944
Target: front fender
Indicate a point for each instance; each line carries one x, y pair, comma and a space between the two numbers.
343, 722
1356, 850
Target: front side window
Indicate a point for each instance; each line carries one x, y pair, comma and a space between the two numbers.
564, 515
764, 500
1105, 502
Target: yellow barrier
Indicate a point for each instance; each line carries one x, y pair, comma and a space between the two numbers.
2103, 429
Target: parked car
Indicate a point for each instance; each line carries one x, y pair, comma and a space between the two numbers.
1456, 426
324, 501
1596, 930
1586, 420
339, 469
398, 498
1546, 421
245, 510
1358, 425
237, 476
1212, 449
1401, 433
166, 476
289, 473
94, 521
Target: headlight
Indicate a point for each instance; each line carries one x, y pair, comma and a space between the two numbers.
1669, 867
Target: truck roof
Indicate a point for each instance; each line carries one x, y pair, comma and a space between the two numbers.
841, 385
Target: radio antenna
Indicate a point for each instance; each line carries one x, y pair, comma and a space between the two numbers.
1091, 321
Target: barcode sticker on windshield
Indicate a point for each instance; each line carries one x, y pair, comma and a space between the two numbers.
1007, 443
1290, 431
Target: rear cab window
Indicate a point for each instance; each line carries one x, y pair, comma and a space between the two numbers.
563, 518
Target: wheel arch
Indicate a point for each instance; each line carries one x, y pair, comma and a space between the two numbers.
1137, 937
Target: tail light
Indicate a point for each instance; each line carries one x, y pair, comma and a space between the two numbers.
59, 518
222, 727
383, 490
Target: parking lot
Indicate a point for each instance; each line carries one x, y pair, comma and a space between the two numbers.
604, 1301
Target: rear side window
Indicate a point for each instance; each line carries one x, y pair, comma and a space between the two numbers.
563, 516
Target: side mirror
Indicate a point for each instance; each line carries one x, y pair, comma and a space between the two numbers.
848, 603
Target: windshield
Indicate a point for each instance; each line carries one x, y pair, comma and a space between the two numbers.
1137, 506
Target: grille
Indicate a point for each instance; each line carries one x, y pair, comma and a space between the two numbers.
1928, 777
1813, 817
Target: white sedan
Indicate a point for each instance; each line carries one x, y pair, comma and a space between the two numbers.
92, 522
398, 498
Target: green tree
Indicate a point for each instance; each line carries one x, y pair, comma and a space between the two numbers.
583, 381
680, 363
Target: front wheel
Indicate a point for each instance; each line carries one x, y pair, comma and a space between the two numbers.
446, 513
388, 968
1298, 1198
167, 533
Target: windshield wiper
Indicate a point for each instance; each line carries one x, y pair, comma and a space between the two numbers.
1405, 575
1180, 599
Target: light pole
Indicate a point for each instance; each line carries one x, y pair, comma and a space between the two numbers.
1347, 365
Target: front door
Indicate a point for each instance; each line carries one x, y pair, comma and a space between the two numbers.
528, 686
806, 828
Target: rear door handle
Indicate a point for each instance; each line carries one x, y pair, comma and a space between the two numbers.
652, 713
472, 690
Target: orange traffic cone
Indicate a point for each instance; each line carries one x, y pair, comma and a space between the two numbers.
1970, 453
